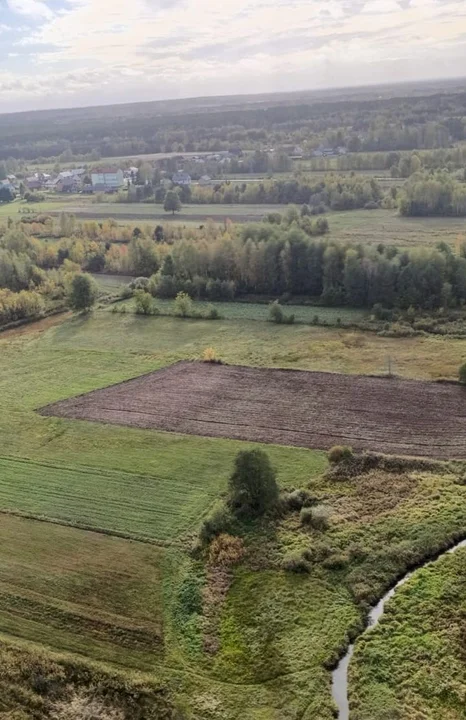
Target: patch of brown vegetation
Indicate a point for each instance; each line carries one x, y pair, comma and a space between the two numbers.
84, 707
225, 552
38, 326
373, 495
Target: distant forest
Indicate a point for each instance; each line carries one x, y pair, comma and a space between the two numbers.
361, 122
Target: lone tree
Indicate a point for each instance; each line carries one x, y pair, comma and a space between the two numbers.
172, 202
253, 485
82, 293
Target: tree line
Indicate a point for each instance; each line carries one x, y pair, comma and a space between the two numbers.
361, 124
262, 260
273, 259
337, 192
438, 194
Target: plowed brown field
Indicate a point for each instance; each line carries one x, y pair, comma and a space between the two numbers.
286, 407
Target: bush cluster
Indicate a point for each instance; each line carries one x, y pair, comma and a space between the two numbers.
339, 453
276, 315
316, 517
226, 550
296, 562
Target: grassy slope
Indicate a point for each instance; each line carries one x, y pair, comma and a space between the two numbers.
281, 629
131, 481
414, 664
275, 630
81, 592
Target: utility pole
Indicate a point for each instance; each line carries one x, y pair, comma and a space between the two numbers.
389, 366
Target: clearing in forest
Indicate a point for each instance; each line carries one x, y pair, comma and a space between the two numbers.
287, 407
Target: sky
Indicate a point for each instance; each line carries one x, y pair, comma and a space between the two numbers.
71, 53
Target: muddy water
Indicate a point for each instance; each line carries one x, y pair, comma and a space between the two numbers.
340, 674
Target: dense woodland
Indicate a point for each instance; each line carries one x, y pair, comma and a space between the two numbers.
273, 259
369, 125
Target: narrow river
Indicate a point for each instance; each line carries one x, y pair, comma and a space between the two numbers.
340, 674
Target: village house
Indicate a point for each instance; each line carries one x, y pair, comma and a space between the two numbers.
107, 179
34, 182
205, 180
181, 178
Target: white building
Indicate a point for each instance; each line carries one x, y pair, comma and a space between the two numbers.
181, 178
107, 179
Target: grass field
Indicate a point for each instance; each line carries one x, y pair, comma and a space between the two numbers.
88, 472
245, 310
413, 664
145, 343
369, 227
81, 592
275, 630
112, 283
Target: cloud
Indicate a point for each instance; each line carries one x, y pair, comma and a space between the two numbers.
151, 49
31, 8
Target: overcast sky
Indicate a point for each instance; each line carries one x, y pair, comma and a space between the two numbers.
63, 53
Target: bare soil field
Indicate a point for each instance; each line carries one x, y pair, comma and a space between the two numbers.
285, 407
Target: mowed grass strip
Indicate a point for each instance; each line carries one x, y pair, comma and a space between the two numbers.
81, 592
254, 311
148, 507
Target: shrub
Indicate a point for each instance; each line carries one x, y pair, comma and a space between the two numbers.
212, 313
140, 283
163, 286
337, 561
305, 516
226, 550
126, 292
184, 306
339, 453
382, 313
210, 356
189, 597
253, 485
296, 499
276, 313
296, 562
218, 521
143, 303
397, 330
462, 374
319, 518
368, 461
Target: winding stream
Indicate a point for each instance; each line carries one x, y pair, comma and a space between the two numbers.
340, 674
